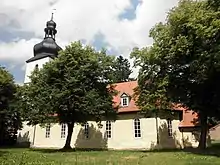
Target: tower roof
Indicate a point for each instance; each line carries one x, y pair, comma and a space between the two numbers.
48, 47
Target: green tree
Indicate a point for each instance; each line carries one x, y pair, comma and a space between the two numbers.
183, 65
121, 69
73, 88
9, 116
214, 4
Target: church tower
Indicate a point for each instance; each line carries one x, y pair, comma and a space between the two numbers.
44, 51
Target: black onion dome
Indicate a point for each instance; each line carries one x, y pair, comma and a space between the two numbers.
51, 24
48, 47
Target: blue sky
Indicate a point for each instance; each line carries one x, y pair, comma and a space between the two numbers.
117, 25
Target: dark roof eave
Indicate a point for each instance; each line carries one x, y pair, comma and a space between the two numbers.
188, 126
38, 57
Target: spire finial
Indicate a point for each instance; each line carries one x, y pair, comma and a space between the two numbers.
52, 14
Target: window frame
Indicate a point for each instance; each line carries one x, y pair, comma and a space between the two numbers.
47, 129
124, 100
86, 130
137, 128
108, 129
169, 128
63, 131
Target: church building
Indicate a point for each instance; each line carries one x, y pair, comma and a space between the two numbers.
172, 129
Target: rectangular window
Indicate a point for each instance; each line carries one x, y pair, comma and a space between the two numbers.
47, 135
86, 130
137, 128
63, 130
125, 101
108, 128
169, 125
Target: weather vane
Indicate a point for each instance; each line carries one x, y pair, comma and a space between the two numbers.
52, 14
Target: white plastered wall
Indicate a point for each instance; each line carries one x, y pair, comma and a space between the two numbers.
31, 66
122, 135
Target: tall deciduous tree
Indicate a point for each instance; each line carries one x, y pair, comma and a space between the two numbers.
121, 70
9, 114
74, 88
183, 64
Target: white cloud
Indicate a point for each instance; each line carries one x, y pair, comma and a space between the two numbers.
80, 20
17, 51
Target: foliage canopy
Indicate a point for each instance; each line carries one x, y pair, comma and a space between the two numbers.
73, 88
121, 70
10, 119
183, 64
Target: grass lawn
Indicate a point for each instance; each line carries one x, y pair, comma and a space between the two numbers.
54, 157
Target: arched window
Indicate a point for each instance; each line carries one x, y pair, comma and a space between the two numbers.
137, 128
108, 129
36, 66
169, 126
63, 130
86, 130
47, 135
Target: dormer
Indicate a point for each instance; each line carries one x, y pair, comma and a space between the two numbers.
125, 99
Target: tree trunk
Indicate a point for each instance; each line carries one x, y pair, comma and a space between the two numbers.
204, 129
69, 136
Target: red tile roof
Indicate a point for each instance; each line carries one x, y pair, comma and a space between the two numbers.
128, 88
189, 117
